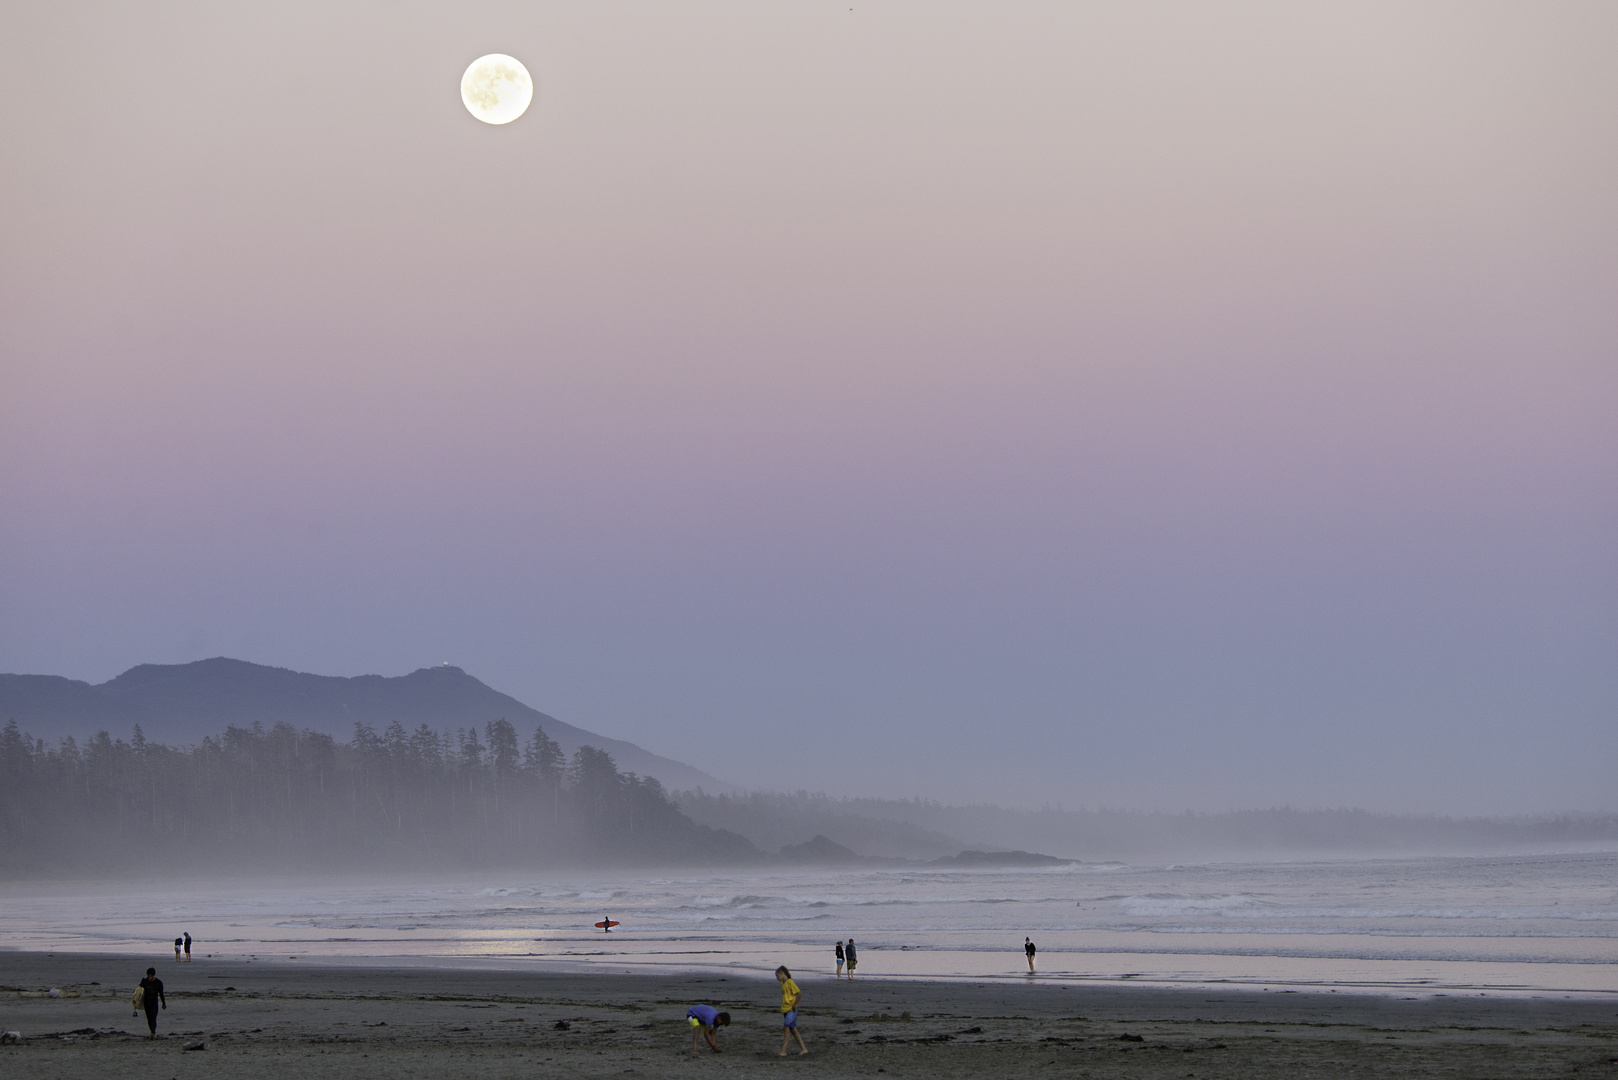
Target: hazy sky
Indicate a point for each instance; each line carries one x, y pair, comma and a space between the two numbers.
1170, 405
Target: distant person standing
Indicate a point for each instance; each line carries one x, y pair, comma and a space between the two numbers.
1028, 950
179, 943
789, 1011
853, 957
839, 959
188, 947
152, 999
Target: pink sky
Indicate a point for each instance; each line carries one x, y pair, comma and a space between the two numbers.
1162, 405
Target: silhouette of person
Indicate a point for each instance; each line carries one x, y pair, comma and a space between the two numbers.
1028, 949
188, 947
153, 999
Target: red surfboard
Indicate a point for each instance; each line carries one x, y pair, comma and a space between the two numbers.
607, 925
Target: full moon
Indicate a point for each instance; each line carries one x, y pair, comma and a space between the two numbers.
497, 89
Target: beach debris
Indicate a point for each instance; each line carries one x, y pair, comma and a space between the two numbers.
1131, 1038
10, 1038
972, 1031
198, 1045
55, 993
562, 1025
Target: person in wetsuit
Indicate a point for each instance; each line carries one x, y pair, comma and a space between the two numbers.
153, 999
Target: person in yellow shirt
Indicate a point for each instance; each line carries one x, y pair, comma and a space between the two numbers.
789, 1011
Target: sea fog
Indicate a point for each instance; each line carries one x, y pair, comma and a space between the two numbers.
1495, 924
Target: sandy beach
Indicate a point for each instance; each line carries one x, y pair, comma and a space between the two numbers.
294, 1018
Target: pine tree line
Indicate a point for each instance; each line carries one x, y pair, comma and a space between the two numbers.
290, 798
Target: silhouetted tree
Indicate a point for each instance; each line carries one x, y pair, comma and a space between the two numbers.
286, 797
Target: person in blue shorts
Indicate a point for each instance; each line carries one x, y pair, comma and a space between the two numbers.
706, 1019
789, 1011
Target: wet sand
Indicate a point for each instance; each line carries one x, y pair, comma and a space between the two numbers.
300, 1019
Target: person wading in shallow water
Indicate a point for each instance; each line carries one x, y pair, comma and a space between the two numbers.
152, 988
848, 951
1028, 950
839, 959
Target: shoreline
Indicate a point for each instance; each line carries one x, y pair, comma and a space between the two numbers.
270, 1018
685, 965
746, 956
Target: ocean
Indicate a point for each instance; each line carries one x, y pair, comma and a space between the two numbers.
1523, 924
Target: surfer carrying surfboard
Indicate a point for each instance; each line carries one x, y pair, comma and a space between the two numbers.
605, 925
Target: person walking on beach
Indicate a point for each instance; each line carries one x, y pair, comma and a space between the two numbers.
789, 1011
188, 946
848, 951
1028, 950
152, 999
839, 959
707, 1020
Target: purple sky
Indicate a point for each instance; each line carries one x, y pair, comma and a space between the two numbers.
1128, 404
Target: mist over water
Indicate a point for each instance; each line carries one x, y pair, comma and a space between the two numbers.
1506, 924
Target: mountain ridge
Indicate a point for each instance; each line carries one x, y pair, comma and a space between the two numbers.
182, 703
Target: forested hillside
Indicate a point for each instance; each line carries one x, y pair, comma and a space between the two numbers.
301, 799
